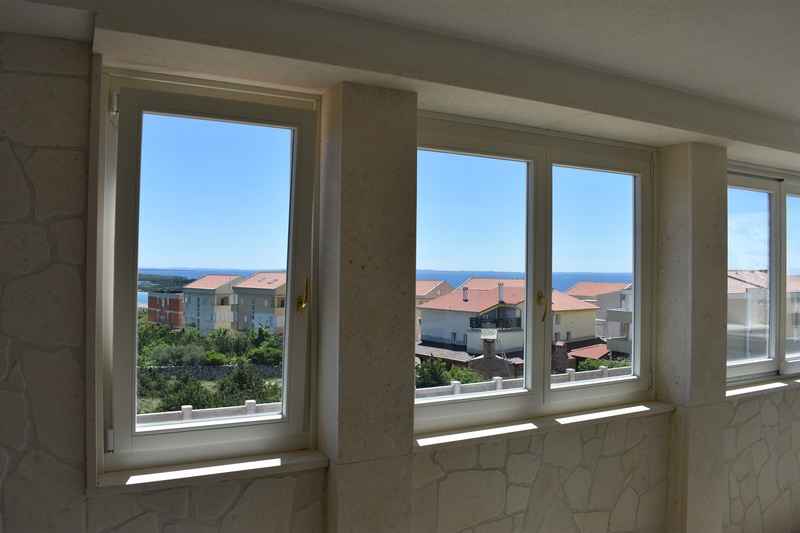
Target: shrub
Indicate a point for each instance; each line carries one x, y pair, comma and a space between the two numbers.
266, 355
595, 364
189, 354
432, 373
245, 383
215, 358
464, 375
186, 390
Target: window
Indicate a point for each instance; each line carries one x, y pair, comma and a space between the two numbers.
763, 276
518, 219
175, 149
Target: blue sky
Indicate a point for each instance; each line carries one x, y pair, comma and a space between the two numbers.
748, 229
216, 195
471, 216
213, 194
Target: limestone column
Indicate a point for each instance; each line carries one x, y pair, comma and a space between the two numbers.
366, 305
691, 327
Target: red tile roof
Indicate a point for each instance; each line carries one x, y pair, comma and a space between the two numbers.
592, 289
263, 280
478, 301
564, 302
442, 353
595, 351
426, 286
211, 282
745, 279
485, 284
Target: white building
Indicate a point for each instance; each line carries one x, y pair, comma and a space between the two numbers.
207, 303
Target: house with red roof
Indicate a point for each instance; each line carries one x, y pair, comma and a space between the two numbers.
207, 302
427, 290
614, 315
260, 300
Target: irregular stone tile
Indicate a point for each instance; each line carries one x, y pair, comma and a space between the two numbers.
733, 486
562, 448
517, 499
109, 511
250, 513
522, 468
484, 490
594, 522
423, 508
25, 248
492, 454
70, 241
737, 511
169, 503
635, 434
743, 465
784, 442
652, 507
43, 494
57, 394
630, 459
778, 515
46, 307
749, 488
748, 433
13, 420
767, 483
745, 411
588, 432
655, 426
189, 528
460, 458
558, 517
760, 455
5, 356
15, 378
543, 492
519, 444
609, 479
578, 486
787, 471
425, 471
752, 518
519, 522
28, 53
146, 522
769, 413
616, 435
729, 453
623, 516
500, 526
44, 111
312, 518
59, 178
16, 198
591, 452
309, 487
537, 445
784, 416
210, 500
796, 435
3, 465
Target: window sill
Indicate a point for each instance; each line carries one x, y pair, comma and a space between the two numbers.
537, 426
760, 388
192, 473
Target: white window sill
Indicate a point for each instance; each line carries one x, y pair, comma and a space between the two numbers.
537, 426
765, 387
188, 474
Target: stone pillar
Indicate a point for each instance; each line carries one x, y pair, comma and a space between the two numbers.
366, 305
691, 327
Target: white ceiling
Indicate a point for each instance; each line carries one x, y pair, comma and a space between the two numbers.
740, 51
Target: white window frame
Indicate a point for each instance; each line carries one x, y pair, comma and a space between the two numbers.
542, 152
779, 185
120, 445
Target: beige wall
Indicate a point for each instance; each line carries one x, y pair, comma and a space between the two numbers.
610, 474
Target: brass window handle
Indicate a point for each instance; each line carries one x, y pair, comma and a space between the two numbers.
541, 300
303, 299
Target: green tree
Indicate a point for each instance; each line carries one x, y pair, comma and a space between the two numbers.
245, 383
595, 364
186, 390
170, 355
462, 374
432, 373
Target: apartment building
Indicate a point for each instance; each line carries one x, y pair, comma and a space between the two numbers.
260, 300
207, 303
165, 309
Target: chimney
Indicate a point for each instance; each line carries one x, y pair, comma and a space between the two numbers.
500, 293
465, 293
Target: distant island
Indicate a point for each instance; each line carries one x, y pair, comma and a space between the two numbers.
159, 283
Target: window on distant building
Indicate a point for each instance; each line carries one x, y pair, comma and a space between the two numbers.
173, 149
516, 219
763, 274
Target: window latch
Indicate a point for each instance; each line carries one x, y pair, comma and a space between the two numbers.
541, 300
302, 300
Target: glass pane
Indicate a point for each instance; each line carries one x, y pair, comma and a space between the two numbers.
470, 292
793, 276
213, 241
748, 274
593, 279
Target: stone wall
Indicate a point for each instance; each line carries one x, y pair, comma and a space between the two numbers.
44, 131
602, 477
762, 450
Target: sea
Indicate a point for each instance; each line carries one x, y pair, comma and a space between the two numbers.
562, 281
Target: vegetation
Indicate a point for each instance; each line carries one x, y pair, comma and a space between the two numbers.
434, 373
162, 346
595, 364
163, 283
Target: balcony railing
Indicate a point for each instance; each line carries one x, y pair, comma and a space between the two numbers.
483, 322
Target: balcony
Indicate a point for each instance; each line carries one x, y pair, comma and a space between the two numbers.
483, 322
